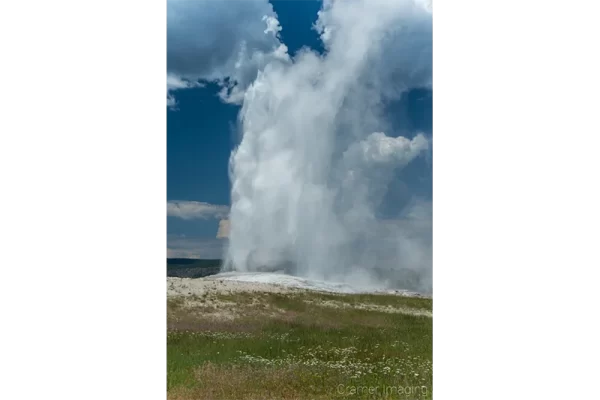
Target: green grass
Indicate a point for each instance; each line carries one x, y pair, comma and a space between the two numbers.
292, 347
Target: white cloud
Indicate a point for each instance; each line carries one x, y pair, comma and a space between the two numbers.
195, 210
379, 149
175, 83
194, 247
219, 40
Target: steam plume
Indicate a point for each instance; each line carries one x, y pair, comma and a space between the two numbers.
314, 163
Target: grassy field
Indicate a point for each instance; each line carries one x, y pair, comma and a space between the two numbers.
302, 345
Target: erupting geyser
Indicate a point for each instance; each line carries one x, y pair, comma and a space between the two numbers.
319, 153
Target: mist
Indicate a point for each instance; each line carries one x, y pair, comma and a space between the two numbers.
318, 152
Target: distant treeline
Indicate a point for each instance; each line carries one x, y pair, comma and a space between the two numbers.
192, 261
191, 267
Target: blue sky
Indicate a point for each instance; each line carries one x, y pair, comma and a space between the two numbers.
202, 132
